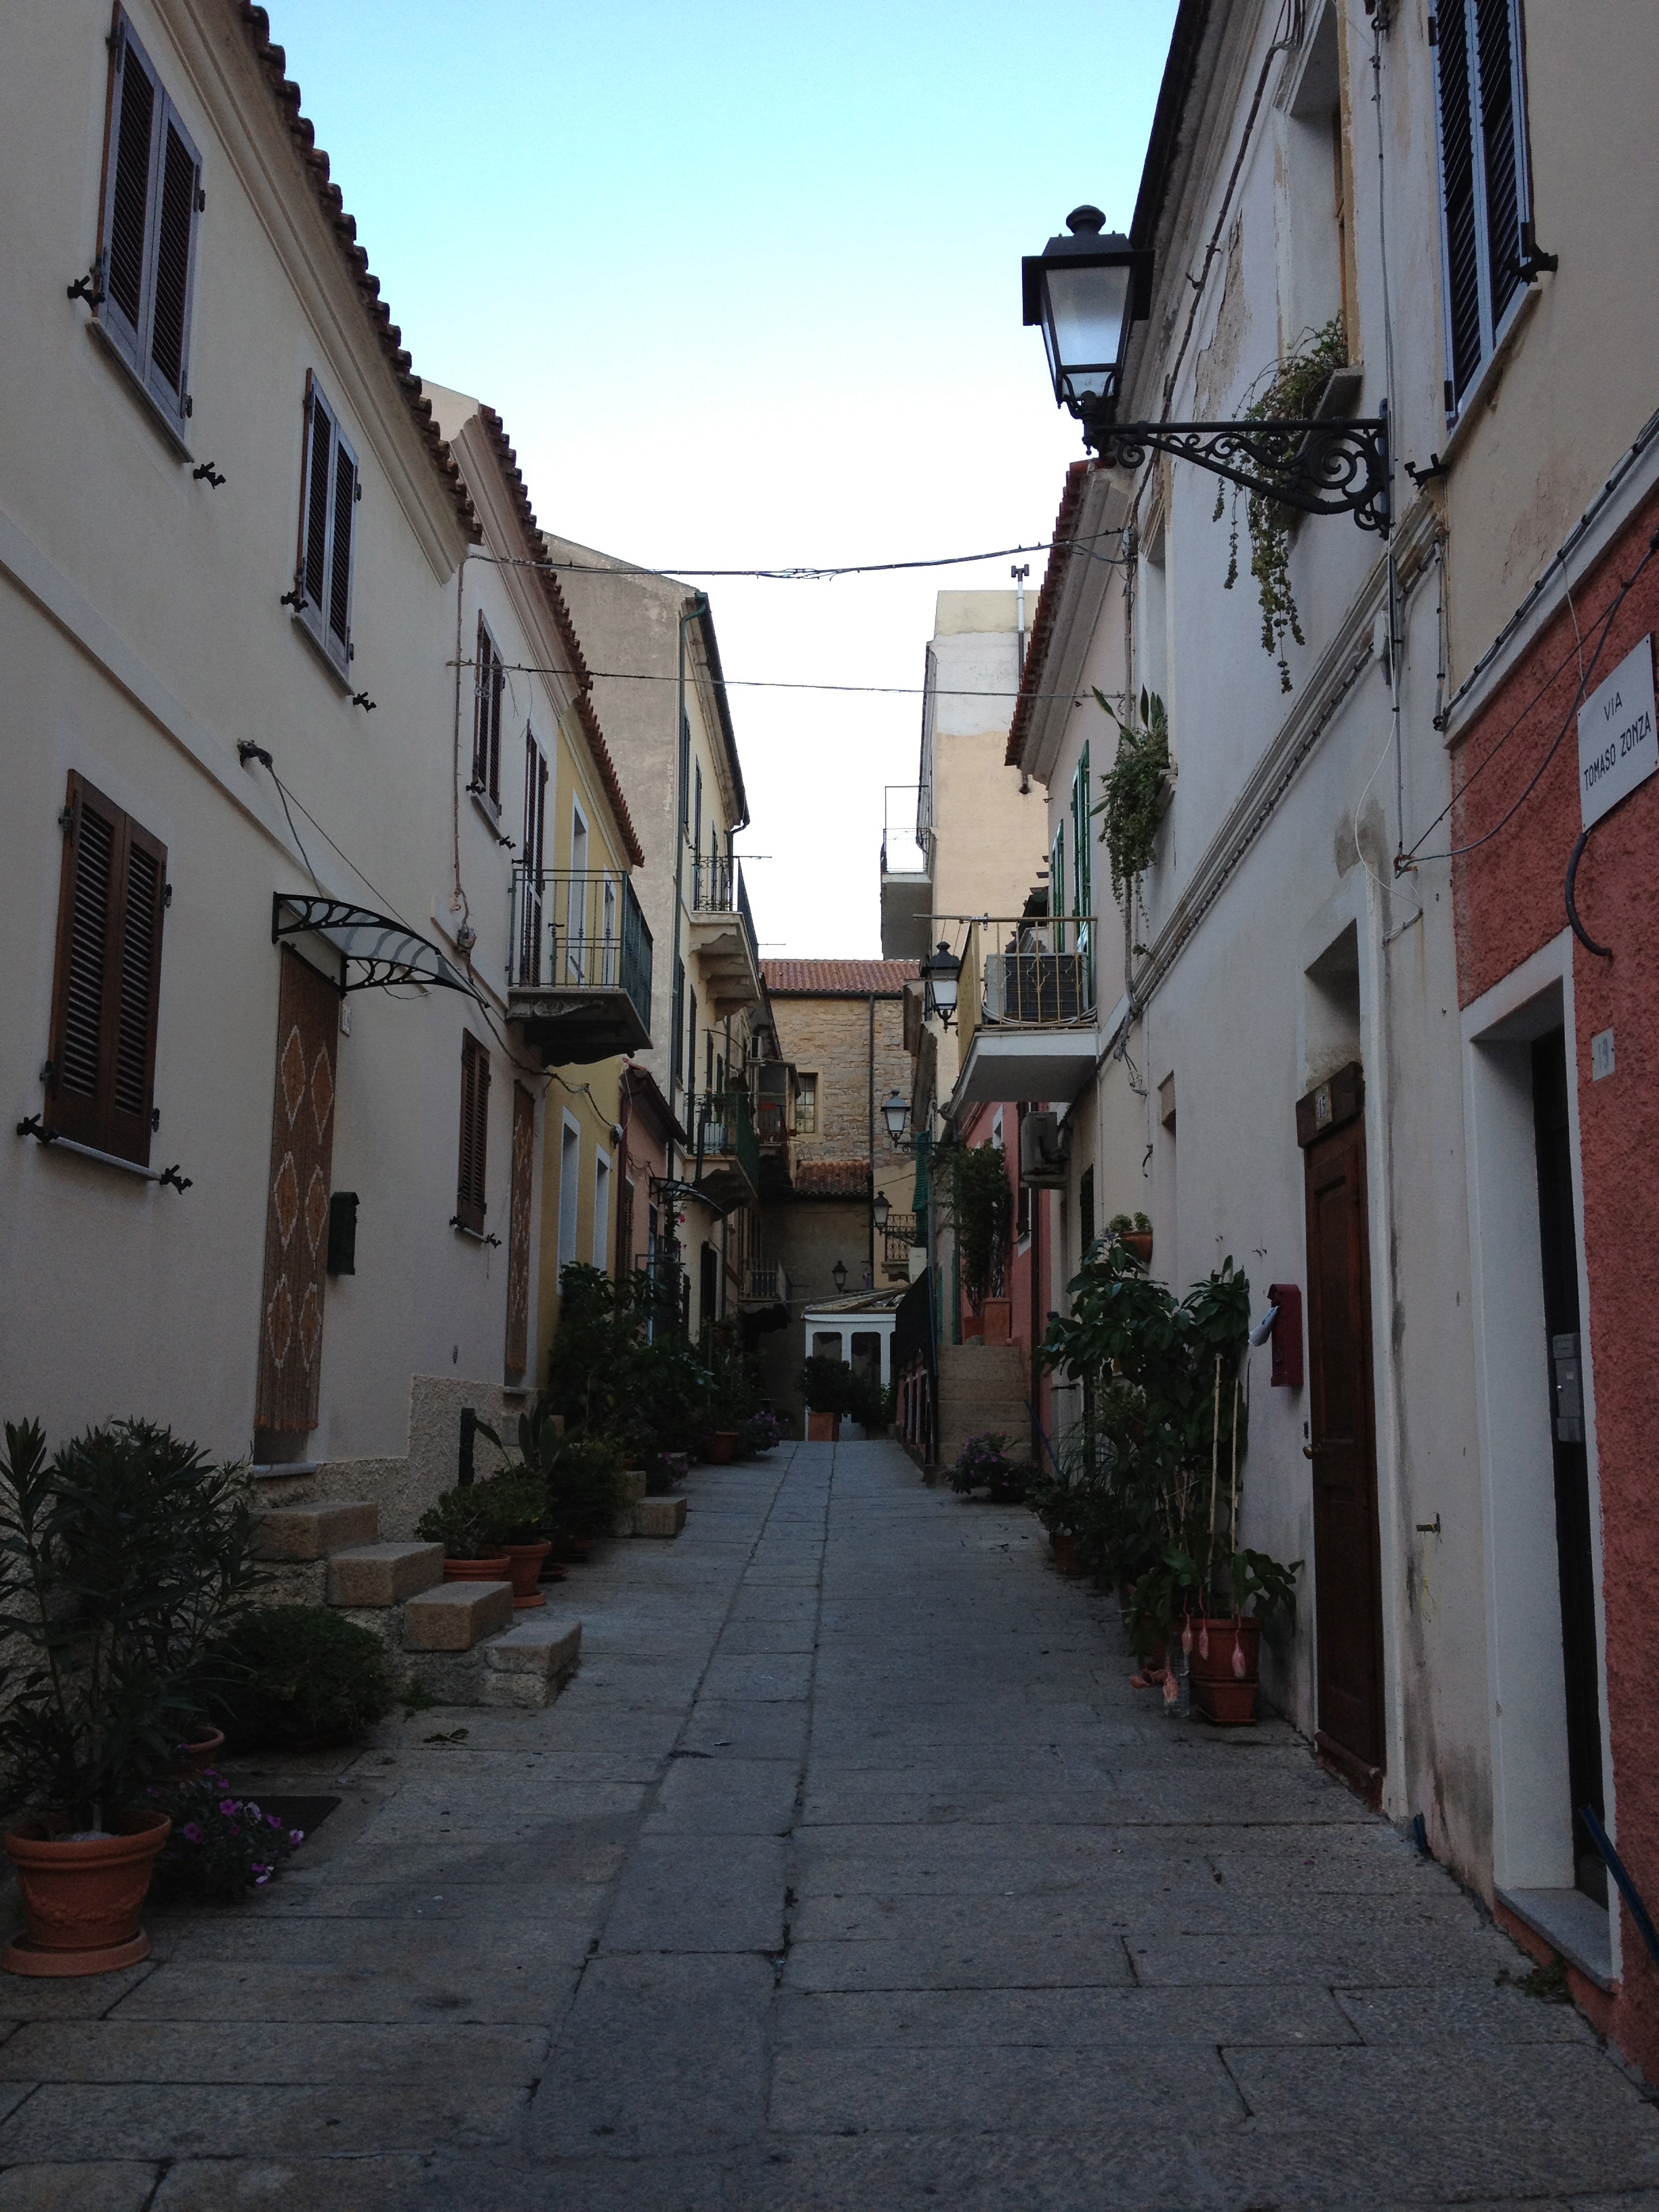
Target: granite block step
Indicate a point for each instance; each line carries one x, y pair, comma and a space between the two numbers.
658, 1516
294, 1533
456, 1615
383, 1574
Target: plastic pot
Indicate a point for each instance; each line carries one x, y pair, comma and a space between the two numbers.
83, 1900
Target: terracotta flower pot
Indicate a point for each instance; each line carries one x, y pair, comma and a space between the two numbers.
478, 1571
1064, 1547
973, 1327
1215, 1663
83, 1900
199, 1754
822, 1428
1232, 1705
997, 1320
524, 1568
1139, 1244
721, 1447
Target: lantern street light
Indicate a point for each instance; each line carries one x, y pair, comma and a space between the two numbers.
882, 1207
838, 1274
939, 971
895, 1114
1085, 292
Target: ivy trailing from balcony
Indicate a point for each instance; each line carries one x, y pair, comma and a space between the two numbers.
1291, 397
982, 1209
1134, 790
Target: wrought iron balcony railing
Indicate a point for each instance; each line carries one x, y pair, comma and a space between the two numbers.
1029, 974
580, 932
898, 1238
723, 1129
906, 835
717, 887
769, 1285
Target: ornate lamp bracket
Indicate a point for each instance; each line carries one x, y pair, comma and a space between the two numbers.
1340, 466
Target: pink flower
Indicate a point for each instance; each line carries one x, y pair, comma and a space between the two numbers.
273, 1819
252, 1810
191, 1831
296, 1835
227, 1806
231, 1828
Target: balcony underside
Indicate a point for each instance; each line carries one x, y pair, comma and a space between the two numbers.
1005, 1064
568, 1027
723, 1183
731, 973
906, 906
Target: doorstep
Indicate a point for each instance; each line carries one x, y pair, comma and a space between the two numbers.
1570, 1924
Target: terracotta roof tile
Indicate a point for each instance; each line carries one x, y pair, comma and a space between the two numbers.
1048, 606
829, 979
535, 546
832, 1179
273, 64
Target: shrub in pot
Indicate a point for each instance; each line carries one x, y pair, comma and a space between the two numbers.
759, 1433
300, 1675
827, 1387
1133, 1231
585, 1491
986, 1462
476, 1520
870, 1405
121, 1555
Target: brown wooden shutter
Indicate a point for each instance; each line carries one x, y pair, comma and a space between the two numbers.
106, 989
518, 1233
470, 1201
296, 1207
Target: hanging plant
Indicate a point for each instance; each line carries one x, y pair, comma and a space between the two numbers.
1135, 789
1291, 397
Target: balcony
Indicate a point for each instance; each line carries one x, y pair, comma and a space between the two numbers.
907, 872
1026, 1003
766, 1286
728, 1171
898, 1239
578, 987
775, 1125
722, 934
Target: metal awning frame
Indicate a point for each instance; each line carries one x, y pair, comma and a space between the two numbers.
381, 952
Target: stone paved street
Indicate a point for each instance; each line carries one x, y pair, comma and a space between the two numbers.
848, 1872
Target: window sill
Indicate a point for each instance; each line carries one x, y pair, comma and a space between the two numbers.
1481, 398
149, 407
50, 1143
490, 809
281, 1470
473, 1236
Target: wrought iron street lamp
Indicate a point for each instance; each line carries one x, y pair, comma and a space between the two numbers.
895, 1114
838, 1275
880, 1210
940, 972
1087, 290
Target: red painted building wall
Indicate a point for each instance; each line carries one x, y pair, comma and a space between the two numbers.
1510, 901
1027, 1285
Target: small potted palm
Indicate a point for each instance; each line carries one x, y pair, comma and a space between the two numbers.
123, 1555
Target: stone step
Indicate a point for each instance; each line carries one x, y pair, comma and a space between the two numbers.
658, 1516
292, 1532
633, 1489
456, 1615
384, 1574
524, 1667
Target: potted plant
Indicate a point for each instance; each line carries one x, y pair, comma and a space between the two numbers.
1226, 1655
664, 1472
759, 1433
826, 1385
303, 1677
1133, 1231
586, 1492
476, 1521
982, 1210
121, 1556
524, 1541
987, 1463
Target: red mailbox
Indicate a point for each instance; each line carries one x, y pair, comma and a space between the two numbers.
1287, 1334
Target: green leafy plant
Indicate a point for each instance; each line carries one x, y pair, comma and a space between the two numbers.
982, 1206
1134, 790
475, 1519
585, 1489
122, 1556
1291, 396
301, 1674
870, 1405
989, 1462
1128, 1225
827, 1385
759, 1433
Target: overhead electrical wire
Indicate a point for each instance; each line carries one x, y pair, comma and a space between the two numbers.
801, 574
771, 683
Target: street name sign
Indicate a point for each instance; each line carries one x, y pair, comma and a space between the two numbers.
1618, 748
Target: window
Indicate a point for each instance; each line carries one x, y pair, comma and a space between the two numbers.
100, 1067
329, 492
1085, 1209
1082, 888
470, 1203
1057, 872
489, 681
532, 849
570, 1161
676, 1026
601, 1210
1485, 199
806, 1105
153, 202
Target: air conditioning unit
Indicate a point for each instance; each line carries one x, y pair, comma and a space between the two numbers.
1045, 1148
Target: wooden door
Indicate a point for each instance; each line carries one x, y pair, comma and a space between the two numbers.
296, 1204
1342, 1436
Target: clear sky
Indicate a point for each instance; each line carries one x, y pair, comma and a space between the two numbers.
743, 281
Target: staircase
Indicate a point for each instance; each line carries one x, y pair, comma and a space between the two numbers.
982, 1391
457, 1640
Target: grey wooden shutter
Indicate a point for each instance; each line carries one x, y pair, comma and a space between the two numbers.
470, 1201
326, 557
151, 216
342, 548
1484, 192
106, 989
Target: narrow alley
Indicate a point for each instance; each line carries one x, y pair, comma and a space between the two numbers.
849, 1871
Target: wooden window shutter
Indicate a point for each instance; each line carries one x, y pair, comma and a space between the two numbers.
470, 1200
151, 216
106, 989
518, 1233
490, 683
1484, 186
1497, 44
328, 529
